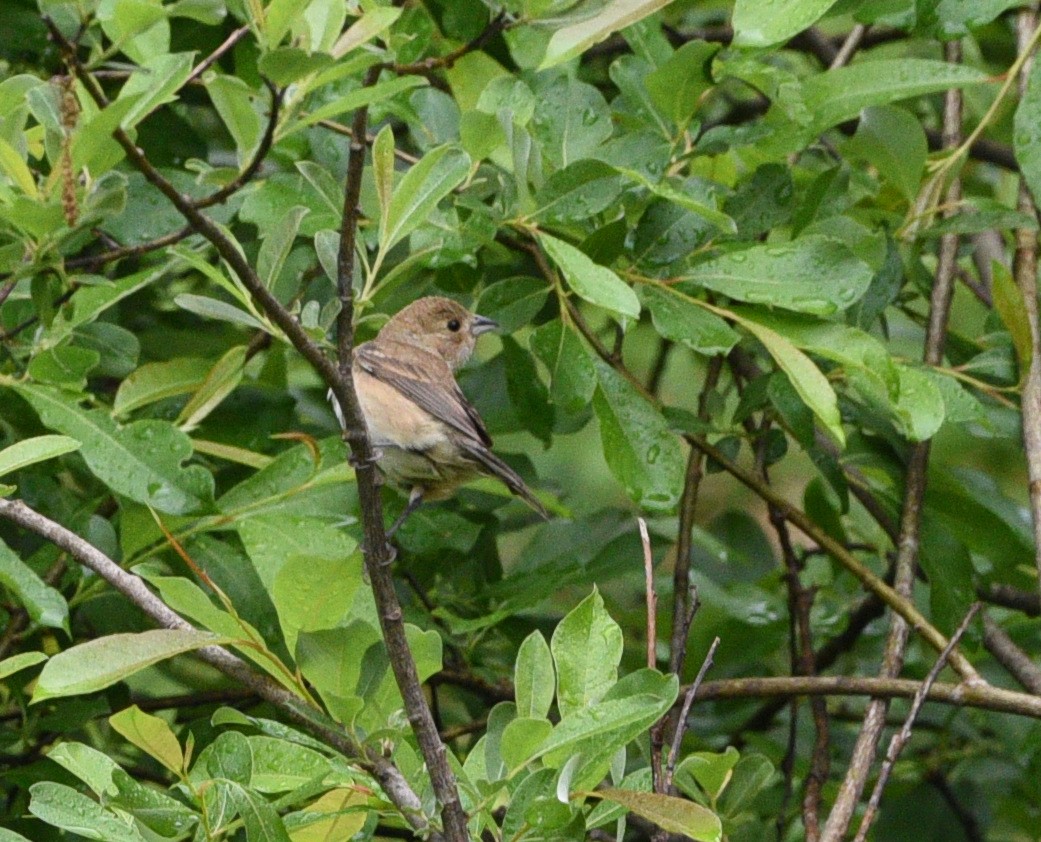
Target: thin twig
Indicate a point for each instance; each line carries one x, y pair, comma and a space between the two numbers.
901, 738
911, 517
688, 700
975, 696
1010, 656
215, 56
849, 47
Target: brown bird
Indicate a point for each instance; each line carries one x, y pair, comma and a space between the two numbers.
429, 437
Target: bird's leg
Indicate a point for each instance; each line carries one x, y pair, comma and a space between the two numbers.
415, 500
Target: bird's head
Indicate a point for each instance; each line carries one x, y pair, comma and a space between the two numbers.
440, 324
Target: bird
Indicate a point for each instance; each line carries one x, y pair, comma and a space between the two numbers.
429, 438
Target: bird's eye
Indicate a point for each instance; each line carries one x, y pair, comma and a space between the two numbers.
453, 325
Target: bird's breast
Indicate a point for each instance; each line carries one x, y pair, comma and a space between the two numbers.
393, 419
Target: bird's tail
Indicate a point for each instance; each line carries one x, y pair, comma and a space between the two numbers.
510, 478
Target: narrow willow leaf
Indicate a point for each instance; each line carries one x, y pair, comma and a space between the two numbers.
1008, 301
150, 734
153, 382
220, 382
277, 243
640, 449
375, 20
383, 171
595, 283
812, 274
675, 815
17, 663
44, 604
570, 41
681, 320
1026, 137
533, 677
759, 24
142, 461
812, 386
587, 648
437, 174
37, 449
99, 663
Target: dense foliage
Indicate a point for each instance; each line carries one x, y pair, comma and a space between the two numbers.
721, 241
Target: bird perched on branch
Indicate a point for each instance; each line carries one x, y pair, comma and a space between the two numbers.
429, 437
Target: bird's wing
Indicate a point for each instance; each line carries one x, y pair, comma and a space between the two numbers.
426, 379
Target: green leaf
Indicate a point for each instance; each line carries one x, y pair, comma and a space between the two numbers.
64, 807
44, 604
141, 461
436, 175
587, 648
374, 21
355, 99
1008, 301
233, 100
513, 302
66, 366
150, 734
893, 142
276, 243
681, 320
528, 394
671, 814
312, 593
596, 284
570, 41
758, 24
261, 820
156, 83
812, 386
671, 194
159, 812
88, 764
153, 382
533, 677
826, 99
711, 770
383, 168
521, 738
572, 120
812, 274
1026, 135
99, 663
639, 447
571, 372
220, 382
21, 454
19, 662
679, 83
14, 166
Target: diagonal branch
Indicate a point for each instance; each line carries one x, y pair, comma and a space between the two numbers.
135, 589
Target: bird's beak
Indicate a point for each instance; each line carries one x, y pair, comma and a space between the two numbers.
482, 324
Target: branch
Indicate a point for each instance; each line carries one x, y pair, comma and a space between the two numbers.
428, 66
836, 550
915, 480
975, 696
1024, 269
311, 720
377, 552
901, 738
1010, 656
